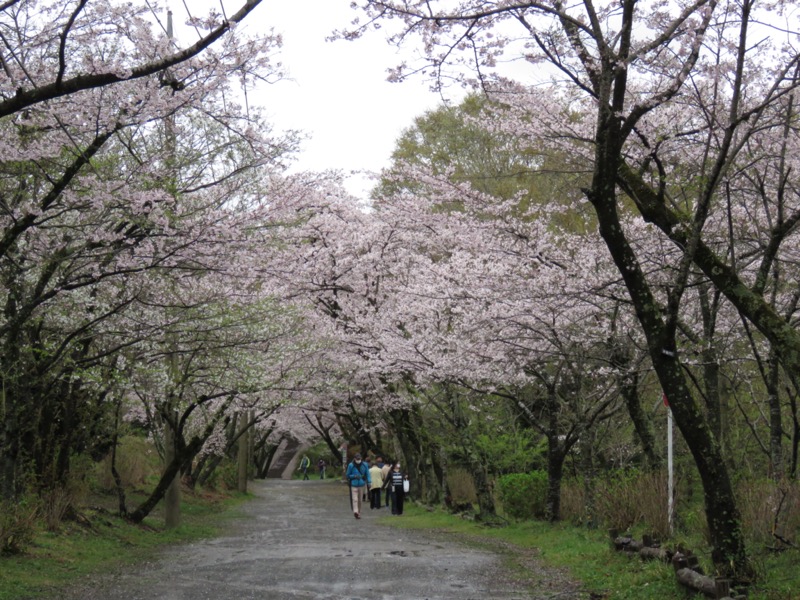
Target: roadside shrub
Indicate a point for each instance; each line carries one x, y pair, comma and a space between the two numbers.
55, 504
17, 525
573, 502
63, 501
652, 495
462, 488
510, 451
228, 474
618, 500
524, 495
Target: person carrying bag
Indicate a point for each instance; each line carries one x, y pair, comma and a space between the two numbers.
358, 476
397, 483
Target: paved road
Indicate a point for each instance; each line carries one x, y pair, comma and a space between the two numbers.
299, 540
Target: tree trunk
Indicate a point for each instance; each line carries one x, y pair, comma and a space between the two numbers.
172, 494
795, 433
724, 520
772, 381
629, 390
483, 489
8, 443
243, 456
123, 508
420, 454
710, 362
265, 460
589, 477
172, 469
184, 454
555, 472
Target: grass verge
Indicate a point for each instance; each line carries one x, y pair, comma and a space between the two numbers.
101, 541
105, 542
586, 556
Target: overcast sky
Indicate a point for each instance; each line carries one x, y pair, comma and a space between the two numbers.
338, 93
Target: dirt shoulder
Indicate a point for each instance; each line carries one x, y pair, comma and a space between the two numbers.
298, 539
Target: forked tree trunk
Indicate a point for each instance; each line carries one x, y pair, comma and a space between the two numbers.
723, 516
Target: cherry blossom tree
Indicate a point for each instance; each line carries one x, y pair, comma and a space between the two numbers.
634, 68
92, 198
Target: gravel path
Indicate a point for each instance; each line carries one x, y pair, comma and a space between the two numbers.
299, 540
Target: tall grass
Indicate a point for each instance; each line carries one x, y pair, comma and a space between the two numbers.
629, 499
136, 461
770, 511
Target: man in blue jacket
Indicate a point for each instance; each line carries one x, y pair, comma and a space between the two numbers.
358, 476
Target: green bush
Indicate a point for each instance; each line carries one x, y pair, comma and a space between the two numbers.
524, 495
228, 474
17, 525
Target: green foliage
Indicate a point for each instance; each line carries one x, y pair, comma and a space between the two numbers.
54, 560
524, 495
588, 557
17, 524
454, 141
508, 450
482, 428
228, 474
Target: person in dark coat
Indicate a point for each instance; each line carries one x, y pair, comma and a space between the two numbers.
395, 482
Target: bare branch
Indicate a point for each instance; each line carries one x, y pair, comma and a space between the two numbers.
57, 89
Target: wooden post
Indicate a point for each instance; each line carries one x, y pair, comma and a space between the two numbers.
722, 587
679, 561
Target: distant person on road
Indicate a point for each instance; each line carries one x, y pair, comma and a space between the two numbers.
376, 475
321, 468
358, 476
366, 487
305, 463
395, 482
385, 470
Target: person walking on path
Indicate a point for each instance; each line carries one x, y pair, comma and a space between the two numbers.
321, 468
305, 463
395, 482
385, 470
358, 476
376, 476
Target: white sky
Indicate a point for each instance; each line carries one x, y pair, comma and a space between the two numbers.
338, 93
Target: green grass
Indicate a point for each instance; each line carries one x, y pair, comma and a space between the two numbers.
588, 557
58, 559
104, 542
